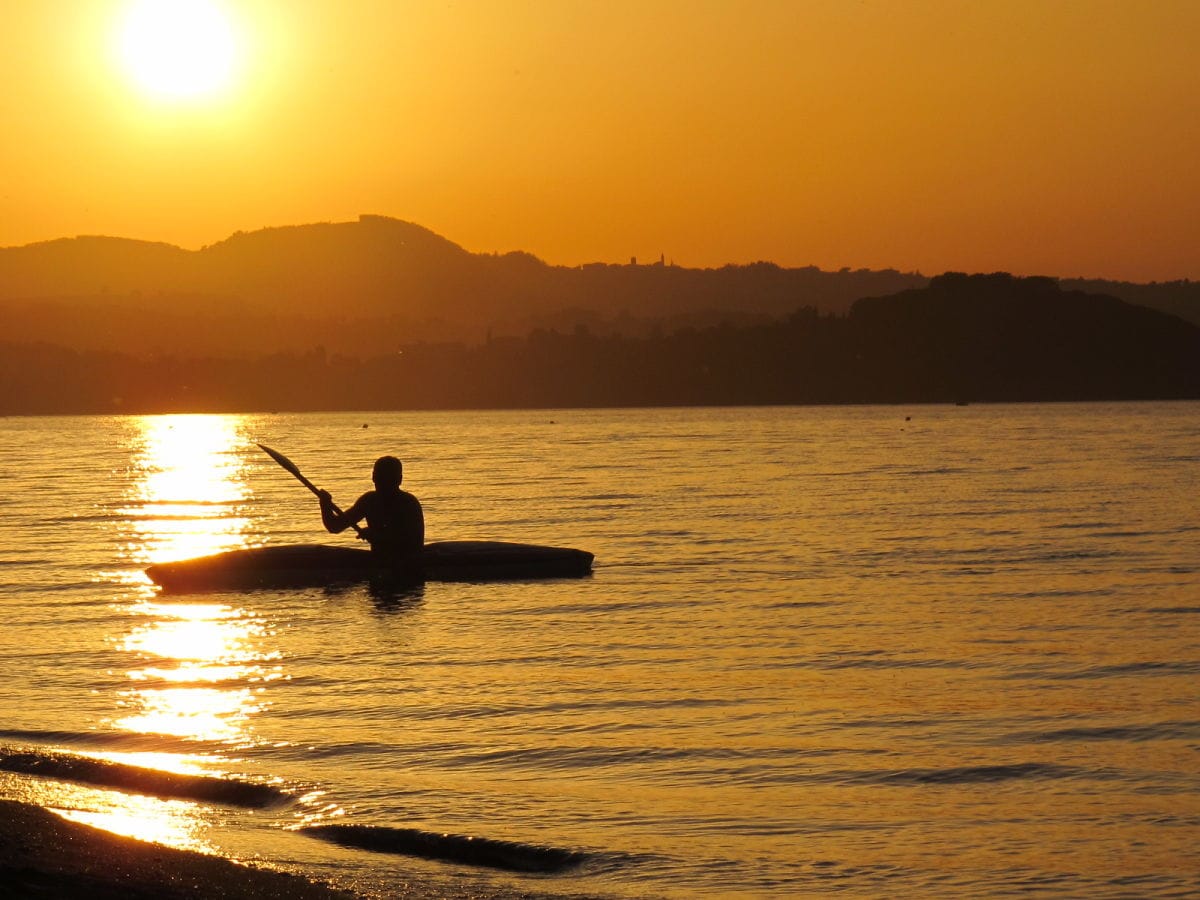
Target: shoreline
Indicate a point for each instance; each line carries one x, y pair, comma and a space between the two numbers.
45, 855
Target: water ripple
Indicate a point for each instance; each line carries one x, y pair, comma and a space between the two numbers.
954, 775
1121, 670
1136, 733
89, 770
478, 851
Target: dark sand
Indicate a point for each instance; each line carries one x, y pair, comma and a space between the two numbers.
45, 856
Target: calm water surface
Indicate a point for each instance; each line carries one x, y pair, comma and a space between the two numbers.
830, 649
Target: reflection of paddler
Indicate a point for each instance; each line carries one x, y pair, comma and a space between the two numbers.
395, 522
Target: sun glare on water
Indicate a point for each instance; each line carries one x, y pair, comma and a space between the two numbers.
189, 495
178, 49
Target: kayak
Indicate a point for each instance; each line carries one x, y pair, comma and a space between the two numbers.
319, 565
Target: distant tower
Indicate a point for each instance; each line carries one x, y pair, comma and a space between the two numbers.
633, 260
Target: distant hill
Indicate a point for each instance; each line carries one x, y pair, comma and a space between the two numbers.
1179, 298
997, 337
364, 286
368, 286
85, 265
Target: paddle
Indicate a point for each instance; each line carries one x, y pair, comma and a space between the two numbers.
294, 469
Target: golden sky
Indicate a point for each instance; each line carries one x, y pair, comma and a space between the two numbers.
1034, 136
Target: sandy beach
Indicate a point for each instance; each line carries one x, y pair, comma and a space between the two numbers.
43, 855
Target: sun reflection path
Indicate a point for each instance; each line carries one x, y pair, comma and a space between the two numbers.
202, 673
191, 486
177, 823
197, 672
147, 819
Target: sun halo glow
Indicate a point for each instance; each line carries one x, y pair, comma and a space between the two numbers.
178, 49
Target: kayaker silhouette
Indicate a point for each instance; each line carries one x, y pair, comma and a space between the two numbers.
395, 522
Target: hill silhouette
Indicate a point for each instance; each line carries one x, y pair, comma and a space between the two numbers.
364, 286
961, 338
996, 337
367, 286
1179, 298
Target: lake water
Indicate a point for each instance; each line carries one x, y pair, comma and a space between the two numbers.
916, 651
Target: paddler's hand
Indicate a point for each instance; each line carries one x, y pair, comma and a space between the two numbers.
326, 499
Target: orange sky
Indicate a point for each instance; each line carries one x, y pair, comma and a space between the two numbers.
1034, 136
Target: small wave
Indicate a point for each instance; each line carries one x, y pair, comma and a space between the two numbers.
76, 738
902, 723
1071, 556
1174, 570
1169, 610
52, 587
1118, 671
122, 741
1171, 820
863, 661
60, 586
958, 775
74, 602
1056, 593
509, 855
596, 609
88, 770
178, 517
666, 761
1136, 733
580, 757
205, 509
168, 501
800, 604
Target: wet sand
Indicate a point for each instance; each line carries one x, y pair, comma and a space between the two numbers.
43, 855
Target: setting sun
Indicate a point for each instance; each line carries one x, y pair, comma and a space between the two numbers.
178, 49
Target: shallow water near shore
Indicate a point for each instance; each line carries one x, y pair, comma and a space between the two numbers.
927, 651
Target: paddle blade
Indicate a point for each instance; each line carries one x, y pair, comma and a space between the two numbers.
294, 469
281, 459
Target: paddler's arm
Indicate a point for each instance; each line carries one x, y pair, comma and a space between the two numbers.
335, 523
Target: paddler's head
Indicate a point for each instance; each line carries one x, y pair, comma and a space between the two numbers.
388, 473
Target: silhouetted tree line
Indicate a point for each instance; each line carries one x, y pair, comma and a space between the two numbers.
972, 338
